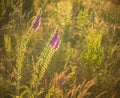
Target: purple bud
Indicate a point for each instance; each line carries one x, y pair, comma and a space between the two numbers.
54, 39
55, 42
37, 23
57, 45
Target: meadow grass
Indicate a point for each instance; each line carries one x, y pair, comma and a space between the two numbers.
86, 65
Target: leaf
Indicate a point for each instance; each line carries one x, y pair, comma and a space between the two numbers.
24, 87
23, 93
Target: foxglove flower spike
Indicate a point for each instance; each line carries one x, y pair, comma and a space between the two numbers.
37, 23
55, 41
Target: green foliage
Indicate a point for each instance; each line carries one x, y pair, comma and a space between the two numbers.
7, 42
88, 57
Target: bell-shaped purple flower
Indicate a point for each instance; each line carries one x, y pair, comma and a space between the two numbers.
55, 41
57, 44
37, 22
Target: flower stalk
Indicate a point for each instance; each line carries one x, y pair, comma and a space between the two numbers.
21, 50
45, 58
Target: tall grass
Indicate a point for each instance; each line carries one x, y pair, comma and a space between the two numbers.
87, 62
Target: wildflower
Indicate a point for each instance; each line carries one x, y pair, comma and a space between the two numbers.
37, 22
55, 41
57, 44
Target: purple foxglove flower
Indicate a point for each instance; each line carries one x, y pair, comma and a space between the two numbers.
54, 39
55, 42
37, 22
